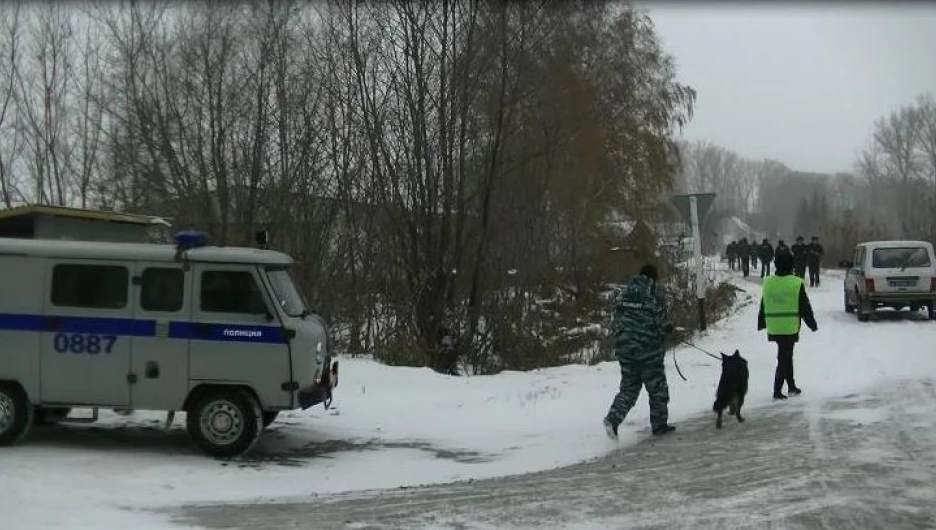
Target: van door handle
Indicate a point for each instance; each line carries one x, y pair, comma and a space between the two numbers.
152, 370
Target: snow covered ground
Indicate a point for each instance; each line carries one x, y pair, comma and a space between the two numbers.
401, 427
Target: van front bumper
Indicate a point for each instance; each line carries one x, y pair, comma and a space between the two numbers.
320, 392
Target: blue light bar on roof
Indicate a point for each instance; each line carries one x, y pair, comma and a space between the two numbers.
190, 239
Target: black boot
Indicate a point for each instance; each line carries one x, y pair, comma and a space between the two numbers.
663, 429
778, 385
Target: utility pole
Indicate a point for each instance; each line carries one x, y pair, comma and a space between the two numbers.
693, 208
699, 260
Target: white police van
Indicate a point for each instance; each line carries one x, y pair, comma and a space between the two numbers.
221, 333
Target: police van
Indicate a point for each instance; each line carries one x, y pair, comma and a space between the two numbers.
221, 333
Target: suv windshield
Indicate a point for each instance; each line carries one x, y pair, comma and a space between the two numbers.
900, 258
284, 289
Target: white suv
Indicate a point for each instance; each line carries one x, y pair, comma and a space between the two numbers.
895, 274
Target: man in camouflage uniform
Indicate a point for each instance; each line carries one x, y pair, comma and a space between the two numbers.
638, 326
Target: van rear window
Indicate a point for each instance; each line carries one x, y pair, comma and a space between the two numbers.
91, 286
900, 258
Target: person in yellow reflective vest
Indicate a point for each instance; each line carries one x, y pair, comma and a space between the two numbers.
784, 305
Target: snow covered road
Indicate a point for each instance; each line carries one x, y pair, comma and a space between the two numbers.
862, 461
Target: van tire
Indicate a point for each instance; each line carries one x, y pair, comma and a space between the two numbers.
269, 416
225, 422
16, 414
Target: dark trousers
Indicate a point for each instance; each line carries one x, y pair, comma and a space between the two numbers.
814, 275
754, 263
745, 266
784, 373
765, 268
801, 270
634, 375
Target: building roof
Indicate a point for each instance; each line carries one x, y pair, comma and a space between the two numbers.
137, 252
80, 213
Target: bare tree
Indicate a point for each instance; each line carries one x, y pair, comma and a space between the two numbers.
86, 132
897, 136
43, 85
9, 55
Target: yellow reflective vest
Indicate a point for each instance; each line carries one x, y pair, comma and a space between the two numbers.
781, 304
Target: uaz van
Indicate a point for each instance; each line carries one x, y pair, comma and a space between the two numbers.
221, 333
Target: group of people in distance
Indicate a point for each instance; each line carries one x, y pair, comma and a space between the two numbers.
744, 256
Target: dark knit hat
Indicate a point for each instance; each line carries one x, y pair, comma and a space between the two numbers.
650, 271
784, 263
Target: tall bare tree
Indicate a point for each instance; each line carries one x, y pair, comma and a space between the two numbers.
44, 79
10, 24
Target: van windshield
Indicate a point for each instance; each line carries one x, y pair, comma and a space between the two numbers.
284, 289
900, 258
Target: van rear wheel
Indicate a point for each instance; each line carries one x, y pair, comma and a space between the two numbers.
16, 414
225, 422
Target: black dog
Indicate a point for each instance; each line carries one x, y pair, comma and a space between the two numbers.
732, 387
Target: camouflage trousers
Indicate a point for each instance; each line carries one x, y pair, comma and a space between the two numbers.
634, 375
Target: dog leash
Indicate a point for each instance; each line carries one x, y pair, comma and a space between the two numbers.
678, 371
710, 354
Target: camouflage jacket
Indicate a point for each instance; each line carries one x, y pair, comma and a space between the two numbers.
639, 321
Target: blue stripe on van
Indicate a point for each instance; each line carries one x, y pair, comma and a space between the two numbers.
142, 328
16, 322
101, 325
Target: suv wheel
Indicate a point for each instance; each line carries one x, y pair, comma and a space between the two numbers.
16, 414
225, 422
863, 314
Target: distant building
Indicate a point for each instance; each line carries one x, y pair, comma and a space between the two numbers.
59, 222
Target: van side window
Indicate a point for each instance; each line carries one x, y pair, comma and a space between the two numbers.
92, 286
162, 289
231, 292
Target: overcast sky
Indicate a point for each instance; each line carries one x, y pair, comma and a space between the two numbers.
797, 83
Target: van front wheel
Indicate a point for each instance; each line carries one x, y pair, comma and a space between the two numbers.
226, 422
16, 414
